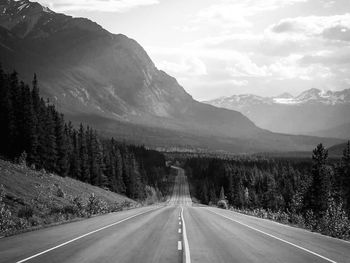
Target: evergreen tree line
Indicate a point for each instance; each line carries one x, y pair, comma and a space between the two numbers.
31, 128
296, 187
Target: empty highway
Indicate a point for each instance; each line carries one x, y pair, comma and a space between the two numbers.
177, 231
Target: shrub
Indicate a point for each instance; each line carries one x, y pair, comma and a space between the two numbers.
79, 206
92, 205
297, 219
335, 222
22, 160
34, 221
222, 204
282, 217
59, 192
55, 209
116, 207
6, 221
70, 209
126, 204
25, 212
21, 223
96, 206
310, 220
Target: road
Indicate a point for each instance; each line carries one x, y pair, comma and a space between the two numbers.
177, 231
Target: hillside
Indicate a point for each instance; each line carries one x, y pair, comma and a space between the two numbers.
339, 131
337, 150
38, 198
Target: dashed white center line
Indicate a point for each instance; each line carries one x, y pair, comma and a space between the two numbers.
185, 240
179, 245
180, 223
179, 230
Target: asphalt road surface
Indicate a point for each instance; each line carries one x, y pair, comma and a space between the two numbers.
177, 231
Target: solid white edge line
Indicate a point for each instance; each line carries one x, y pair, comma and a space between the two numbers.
283, 225
291, 227
280, 239
184, 235
79, 237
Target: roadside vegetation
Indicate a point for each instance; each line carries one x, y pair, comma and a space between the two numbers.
310, 193
32, 199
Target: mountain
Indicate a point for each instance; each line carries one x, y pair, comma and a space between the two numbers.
108, 81
339, 131
337, 150
311, 112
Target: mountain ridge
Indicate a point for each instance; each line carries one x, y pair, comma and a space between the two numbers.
308, 113
311, 95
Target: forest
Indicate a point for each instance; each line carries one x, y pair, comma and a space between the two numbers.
312, 193
35, 133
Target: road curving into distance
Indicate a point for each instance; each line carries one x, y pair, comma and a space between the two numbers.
177, 231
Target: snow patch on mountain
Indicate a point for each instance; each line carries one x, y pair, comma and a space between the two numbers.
285, 101
313, 96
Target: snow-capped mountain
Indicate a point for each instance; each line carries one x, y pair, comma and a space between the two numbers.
308, 96
307, 113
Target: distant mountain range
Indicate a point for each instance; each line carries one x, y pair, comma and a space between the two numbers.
313, 112
110, 82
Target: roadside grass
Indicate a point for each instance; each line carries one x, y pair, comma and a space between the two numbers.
32, 199
334, 223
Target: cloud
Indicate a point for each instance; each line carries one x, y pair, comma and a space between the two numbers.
281, 69
229, 14
188, 66
338, 57
336, 27
239, 83
96, 5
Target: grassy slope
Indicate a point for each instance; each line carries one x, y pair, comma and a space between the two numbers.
44, 193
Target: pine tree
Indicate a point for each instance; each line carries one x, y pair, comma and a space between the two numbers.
222, 194
62, 146
7, 118
83, 155
321, 184
121, 188
345, 176
75, 163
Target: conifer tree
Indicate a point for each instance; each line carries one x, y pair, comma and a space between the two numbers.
83, 155
321, 175
345, 176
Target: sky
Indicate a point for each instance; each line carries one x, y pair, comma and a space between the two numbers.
220, 48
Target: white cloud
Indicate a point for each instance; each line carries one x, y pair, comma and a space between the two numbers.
229, 14
96, 5
331, 27
191, 66
238, 83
